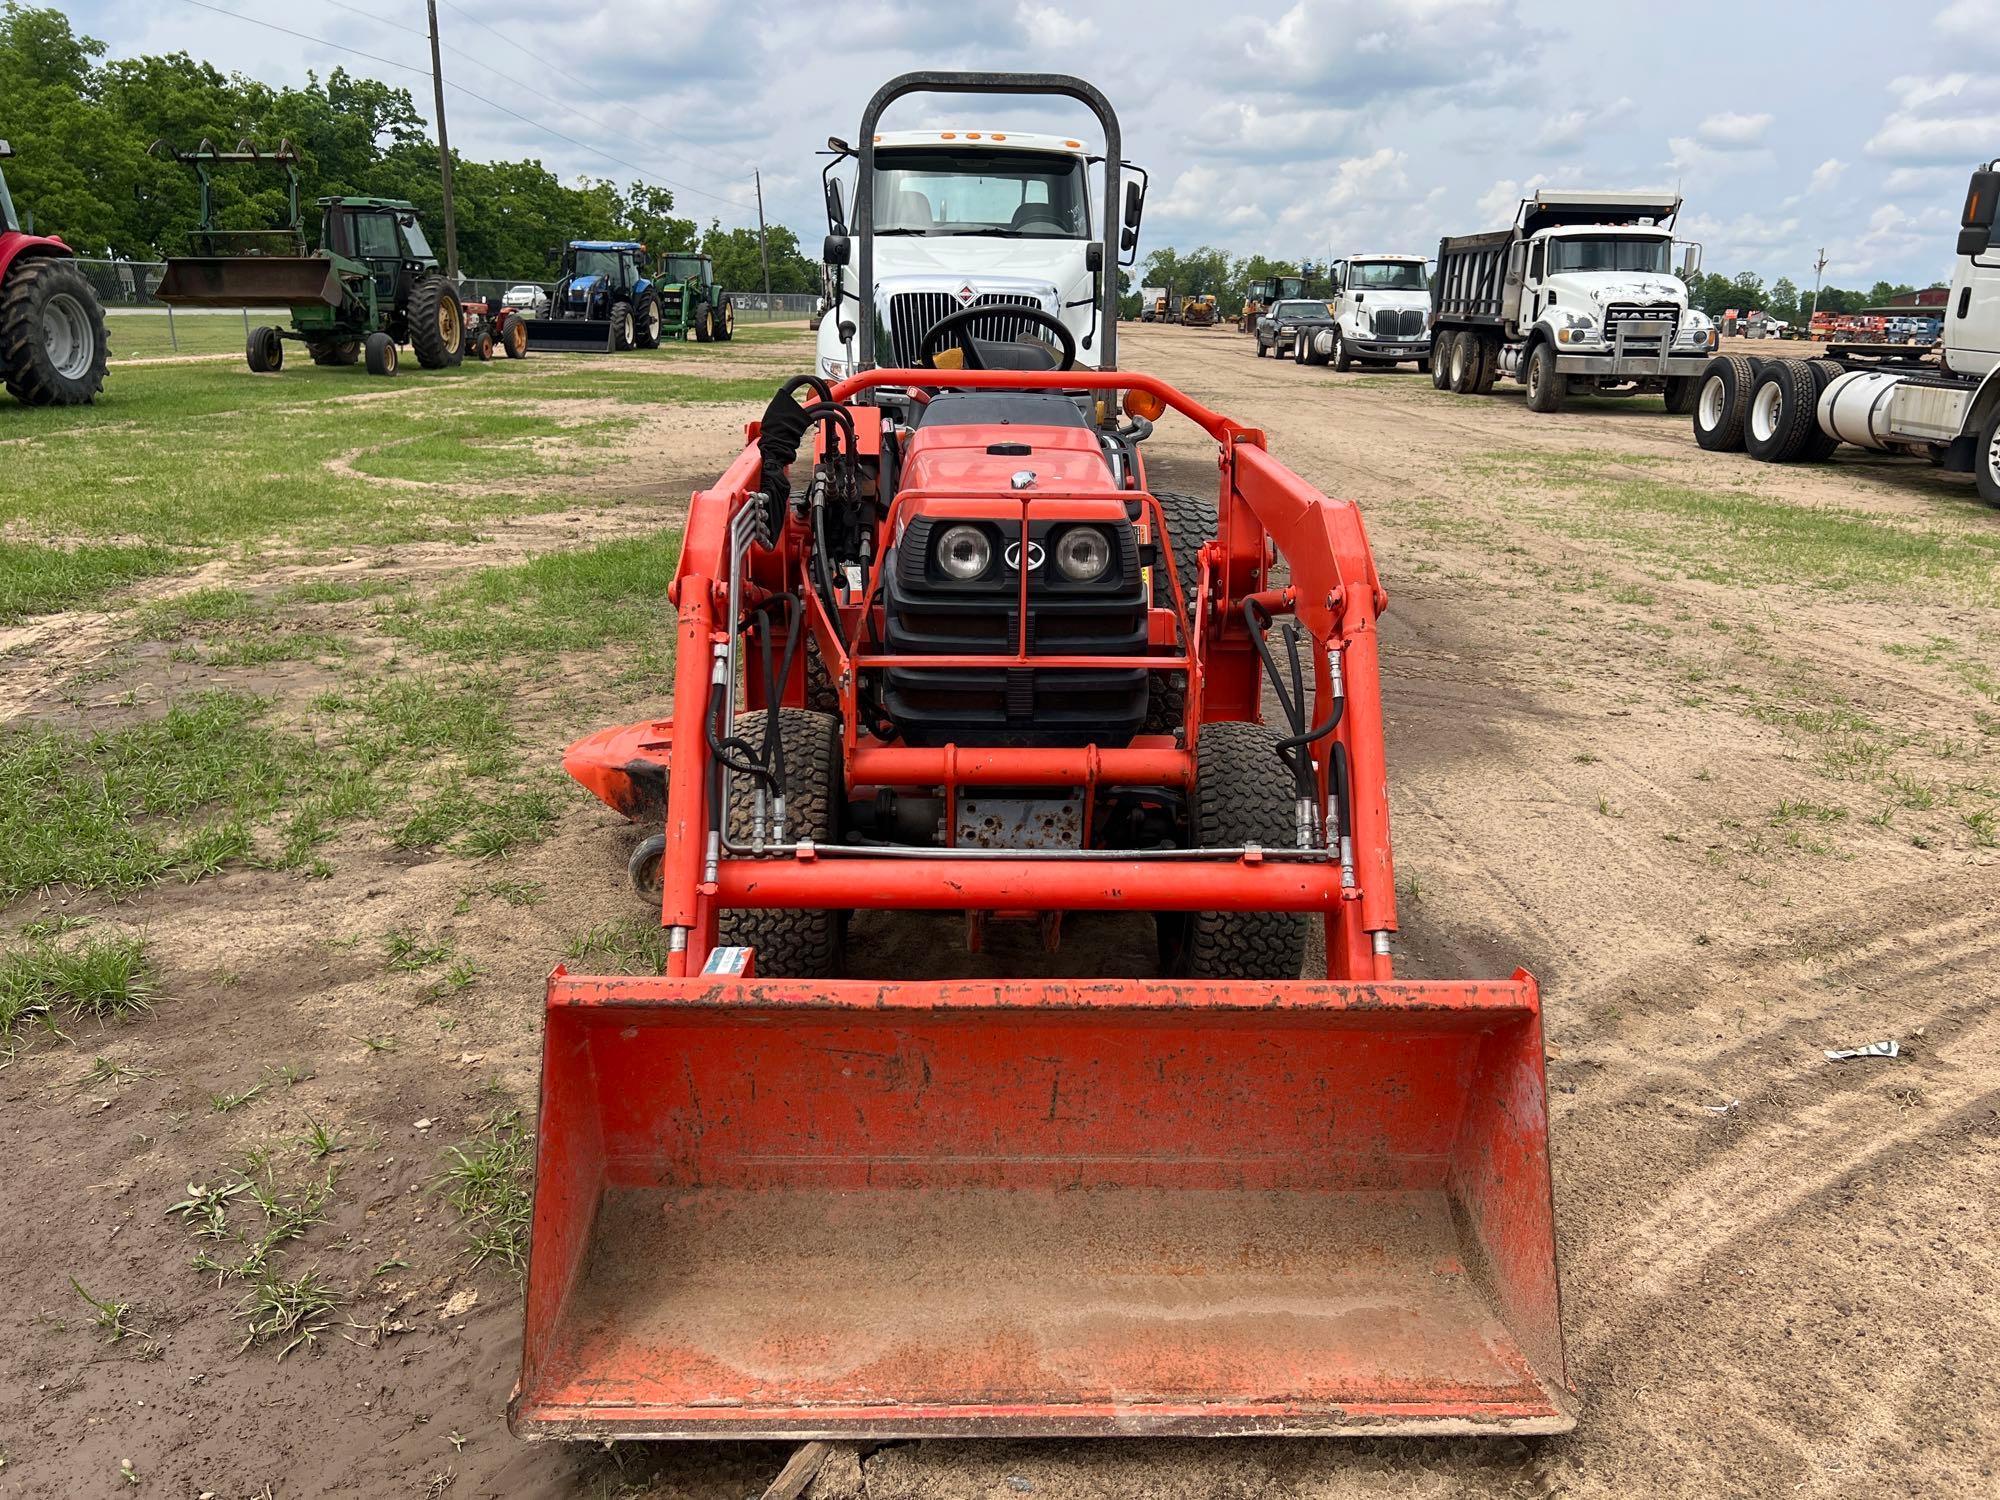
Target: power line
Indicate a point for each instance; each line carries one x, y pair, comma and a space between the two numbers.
470, 94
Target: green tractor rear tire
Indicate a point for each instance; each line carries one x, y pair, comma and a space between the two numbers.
437, 324
264, 351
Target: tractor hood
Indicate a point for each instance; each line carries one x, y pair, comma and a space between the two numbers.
583, 286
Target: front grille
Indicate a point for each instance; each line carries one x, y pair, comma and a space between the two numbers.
1399, 323
913, 314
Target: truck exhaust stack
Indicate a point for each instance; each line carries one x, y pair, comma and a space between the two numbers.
847, 1209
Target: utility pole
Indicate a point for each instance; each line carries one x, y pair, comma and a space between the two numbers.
763, 250
444, 150
1819, 269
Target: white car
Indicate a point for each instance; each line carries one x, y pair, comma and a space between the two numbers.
526, 298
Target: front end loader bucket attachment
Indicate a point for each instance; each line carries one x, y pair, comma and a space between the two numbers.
570, 335
799, 1210
250, 281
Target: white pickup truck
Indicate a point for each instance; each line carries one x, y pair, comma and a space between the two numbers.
967, 219
1940, 402
1381, 313
1577, 297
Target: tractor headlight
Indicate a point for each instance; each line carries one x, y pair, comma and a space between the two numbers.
964, 552
1083, 553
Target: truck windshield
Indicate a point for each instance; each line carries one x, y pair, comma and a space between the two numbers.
1609, 253
1387, 276
1019, 194
594, 263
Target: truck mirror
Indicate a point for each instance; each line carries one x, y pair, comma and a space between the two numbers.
1982, 199
1093, 256
836, 213
835, 251
1135, 204
1690, 261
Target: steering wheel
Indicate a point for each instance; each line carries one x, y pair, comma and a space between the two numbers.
938, 333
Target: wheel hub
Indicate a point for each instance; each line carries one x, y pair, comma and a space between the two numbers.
66, 336
1764, 413
1711, 403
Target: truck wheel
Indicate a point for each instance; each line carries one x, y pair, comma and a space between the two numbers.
1682, 392
1489, 363
514, 339
1342, 360
437, 324
1242, 795
1986, 462
792, 943
1819, 442
54, 347
1190, 523
1722, 397
1781, 415
381, 353
1261, 350
646, 323
1440, 360
264, 351
1543, 380
699, 324
1466, 352
623, 327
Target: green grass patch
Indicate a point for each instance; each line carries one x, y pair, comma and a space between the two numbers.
486, 1182
615, 593
155, 335
632, 945
39, 580
1735, 537
103, 979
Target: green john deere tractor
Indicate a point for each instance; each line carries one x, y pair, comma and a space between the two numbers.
373, 285
691, 302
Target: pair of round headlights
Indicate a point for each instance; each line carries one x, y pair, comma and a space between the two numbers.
1082, 552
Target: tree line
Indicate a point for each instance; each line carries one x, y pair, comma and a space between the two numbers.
80, 127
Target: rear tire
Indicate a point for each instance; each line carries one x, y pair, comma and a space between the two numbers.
1489, 363
514, 339
264, 351
646, 323
1543, 380
437, 324
792, 943
1781, 417
1242, 795
1440, 360
1681, 394
1821, 443
1190, 523
1468, 352
1722, 397
381, 353
54, 347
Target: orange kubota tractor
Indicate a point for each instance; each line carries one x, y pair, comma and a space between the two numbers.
944, 649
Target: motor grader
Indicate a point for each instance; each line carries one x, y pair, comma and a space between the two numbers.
944, 650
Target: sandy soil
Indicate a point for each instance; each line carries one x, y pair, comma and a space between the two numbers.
1777, 1270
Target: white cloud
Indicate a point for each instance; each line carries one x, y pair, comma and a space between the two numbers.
1052, 28
1250, 129
1499, 203
1826, 175
1573, 129
1365, 49
1733, 132
1953, 118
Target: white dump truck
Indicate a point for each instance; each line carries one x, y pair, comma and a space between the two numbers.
1940, 402
1578, 296
1381, 309
961, 220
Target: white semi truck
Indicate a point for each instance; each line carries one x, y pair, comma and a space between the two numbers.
1381, 308
969, 219
1578, 296
1941, 403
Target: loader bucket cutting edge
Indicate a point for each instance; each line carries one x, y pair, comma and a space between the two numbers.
569, 335
848, 1209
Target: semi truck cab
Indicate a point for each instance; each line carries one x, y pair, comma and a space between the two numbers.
1382, 311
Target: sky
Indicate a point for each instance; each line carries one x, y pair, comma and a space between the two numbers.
1307, 130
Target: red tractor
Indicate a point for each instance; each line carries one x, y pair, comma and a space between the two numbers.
53, 343
943, 648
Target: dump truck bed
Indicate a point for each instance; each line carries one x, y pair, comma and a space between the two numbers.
856, 1209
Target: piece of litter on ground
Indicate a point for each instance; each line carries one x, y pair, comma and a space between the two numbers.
459, 1303
1873, 1049
426, 1124
1722, 1109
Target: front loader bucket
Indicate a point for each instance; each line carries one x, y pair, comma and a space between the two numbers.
773, 1208
570, 335
250, 281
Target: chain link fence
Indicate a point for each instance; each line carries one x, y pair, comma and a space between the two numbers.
142, 327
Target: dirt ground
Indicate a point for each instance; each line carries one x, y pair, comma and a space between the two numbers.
1722, 777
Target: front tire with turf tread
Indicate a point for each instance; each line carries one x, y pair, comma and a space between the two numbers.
1190, 524
437, 324
1242, 795
792, 942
